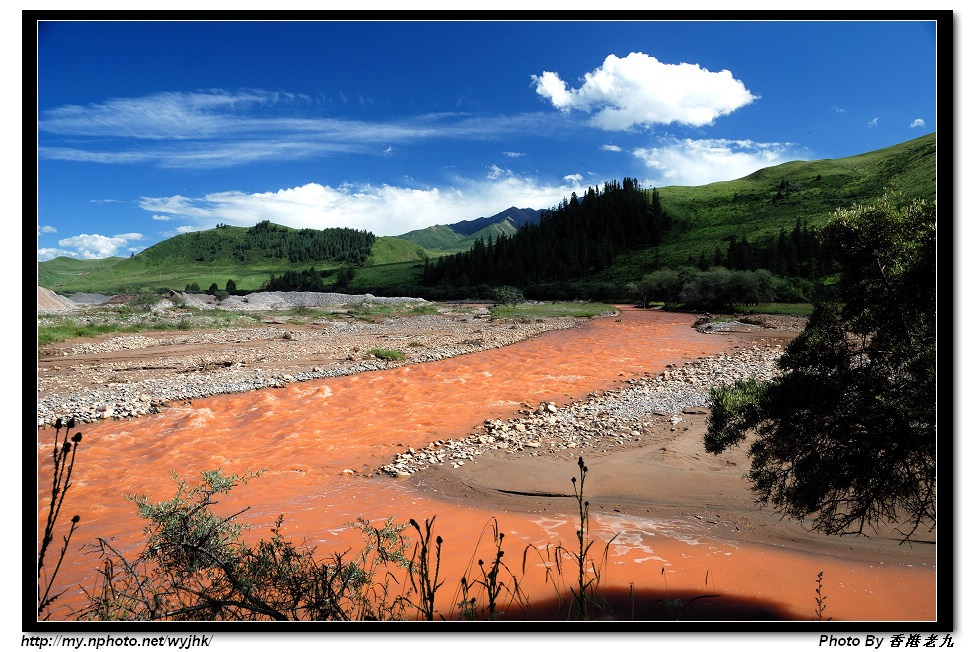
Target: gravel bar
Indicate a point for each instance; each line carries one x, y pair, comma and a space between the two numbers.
603, 421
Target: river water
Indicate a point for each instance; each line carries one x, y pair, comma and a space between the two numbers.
305, 435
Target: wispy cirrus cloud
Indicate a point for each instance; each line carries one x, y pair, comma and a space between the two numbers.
639, 90
687, 162
214, 129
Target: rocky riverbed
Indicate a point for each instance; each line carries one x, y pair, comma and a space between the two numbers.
131, 375
607, 421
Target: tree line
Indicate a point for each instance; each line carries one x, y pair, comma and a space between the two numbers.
796, 253
267, 240
578, 237
719, 288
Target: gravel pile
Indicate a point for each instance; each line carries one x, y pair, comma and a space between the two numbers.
287, 300
49, 302
604, 421
89, 299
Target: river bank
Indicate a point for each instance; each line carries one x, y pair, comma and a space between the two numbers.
133, 375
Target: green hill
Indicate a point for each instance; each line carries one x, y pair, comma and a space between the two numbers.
395, 250
68, 274
452, 238
593, 245
772, 199
249, 256
439, 238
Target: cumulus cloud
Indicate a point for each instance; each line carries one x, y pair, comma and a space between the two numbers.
696, 162
94, 245
162, 218
383, 209
573, 178
837, 109
918, 122
639, 90
611, 148
46, 229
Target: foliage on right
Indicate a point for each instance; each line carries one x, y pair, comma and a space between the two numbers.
846, 435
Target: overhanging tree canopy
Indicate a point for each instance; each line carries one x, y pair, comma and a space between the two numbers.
847, 435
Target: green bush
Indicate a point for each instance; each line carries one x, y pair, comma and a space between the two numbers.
386, 354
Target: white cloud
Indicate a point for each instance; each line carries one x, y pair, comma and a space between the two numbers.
513, 154
696, 162
162, 218
573, 178
47, 253
838, 109
918, 122
640, 90
383, 210
611, 148
46, 229
873, 123
95, 245
388, 151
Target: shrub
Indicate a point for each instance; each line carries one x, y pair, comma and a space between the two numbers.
196, 566
143, 302
386, 354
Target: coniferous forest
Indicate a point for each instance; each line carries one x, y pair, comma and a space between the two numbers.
578, 237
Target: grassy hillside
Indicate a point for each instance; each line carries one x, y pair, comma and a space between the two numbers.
442, 239
394, 250
63, 273
439, 238
773, 198
174, 265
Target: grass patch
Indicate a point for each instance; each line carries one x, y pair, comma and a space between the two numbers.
61, 332
373, 311
386, 354
561, 309
122, 319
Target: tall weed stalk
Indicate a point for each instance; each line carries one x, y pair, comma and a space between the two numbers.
423, 578
60, 483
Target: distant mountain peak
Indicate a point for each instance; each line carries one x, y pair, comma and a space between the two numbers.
517, 217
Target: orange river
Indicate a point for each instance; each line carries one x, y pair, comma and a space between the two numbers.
307, 433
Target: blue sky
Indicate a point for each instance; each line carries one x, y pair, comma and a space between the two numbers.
150, 129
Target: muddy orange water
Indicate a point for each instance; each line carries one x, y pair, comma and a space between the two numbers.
306, 434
